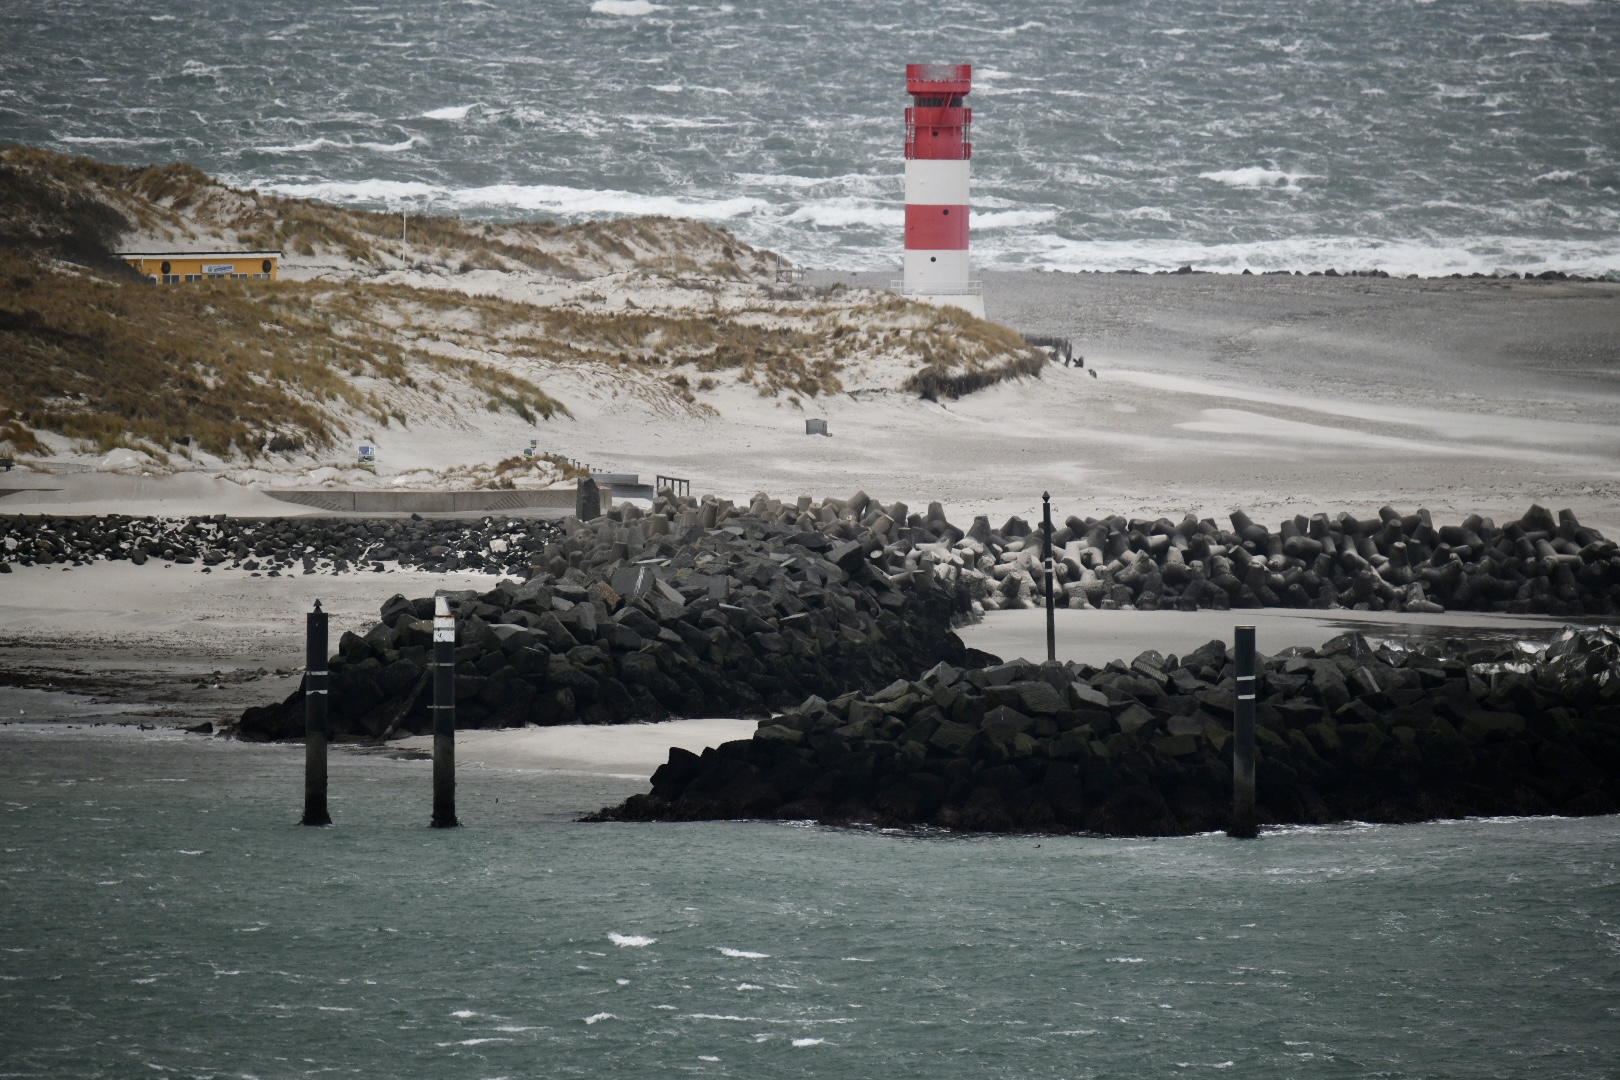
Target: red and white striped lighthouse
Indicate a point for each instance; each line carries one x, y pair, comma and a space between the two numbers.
938, 157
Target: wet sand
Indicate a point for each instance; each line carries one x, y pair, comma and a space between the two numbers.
178, 643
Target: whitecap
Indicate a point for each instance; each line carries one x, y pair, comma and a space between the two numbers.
625, 7
389, 148
841, 214
449, 112
1125, 960
300, 148
384, 191
743, 954
1009, 219
668, 88
598, 1017
748, 986
1255, 176
859, 960
808, 1042
543, 198
108, 140
463, 1013
583, 201
631, 941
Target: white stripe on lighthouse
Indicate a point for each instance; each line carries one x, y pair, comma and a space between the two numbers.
936, 271
937, 183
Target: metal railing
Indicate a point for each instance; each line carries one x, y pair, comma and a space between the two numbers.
939, 73
675, 484
788, 274
960, 288
1062, 348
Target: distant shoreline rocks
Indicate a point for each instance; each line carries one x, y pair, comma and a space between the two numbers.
277, 547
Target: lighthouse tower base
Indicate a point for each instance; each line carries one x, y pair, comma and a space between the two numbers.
972, 303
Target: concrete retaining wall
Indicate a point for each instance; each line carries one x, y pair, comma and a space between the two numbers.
429, 502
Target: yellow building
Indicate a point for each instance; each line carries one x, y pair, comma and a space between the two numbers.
175, 267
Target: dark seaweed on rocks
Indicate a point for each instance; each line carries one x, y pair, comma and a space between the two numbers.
696, 610
1355, 730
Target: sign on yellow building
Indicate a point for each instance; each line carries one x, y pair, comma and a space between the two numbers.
176, 267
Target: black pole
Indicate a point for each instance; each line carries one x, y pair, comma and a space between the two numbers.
1051, 617
315, 812
444, 716
1243, 824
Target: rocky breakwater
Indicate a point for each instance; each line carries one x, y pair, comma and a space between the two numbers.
278, 546
696, 609
1541, 564
1362, 730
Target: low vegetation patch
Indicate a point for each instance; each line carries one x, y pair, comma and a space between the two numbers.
229, 367
247, 368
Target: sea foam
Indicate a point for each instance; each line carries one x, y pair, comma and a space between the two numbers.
1255, 176
625, 7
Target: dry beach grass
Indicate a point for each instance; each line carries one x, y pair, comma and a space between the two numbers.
366, 330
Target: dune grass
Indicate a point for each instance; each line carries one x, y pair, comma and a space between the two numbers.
230, 367
247, 368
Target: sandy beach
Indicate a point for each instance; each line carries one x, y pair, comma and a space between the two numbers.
1281, 395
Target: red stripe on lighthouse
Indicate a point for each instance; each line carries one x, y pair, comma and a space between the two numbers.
936, 228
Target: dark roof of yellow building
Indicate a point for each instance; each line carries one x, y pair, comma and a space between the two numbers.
199, 254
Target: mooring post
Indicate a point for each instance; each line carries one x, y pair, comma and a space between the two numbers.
1051, 617
444, 715
1242, 826
315, 812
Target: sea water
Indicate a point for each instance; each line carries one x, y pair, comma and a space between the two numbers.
1412, 136
161, 915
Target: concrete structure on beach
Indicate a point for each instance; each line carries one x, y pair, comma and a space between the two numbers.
938, 160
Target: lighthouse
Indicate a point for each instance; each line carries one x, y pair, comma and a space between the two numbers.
938, 157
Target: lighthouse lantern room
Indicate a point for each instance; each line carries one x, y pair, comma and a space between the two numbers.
938, 157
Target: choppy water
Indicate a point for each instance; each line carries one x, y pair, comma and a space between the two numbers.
161, 916
1474, 135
